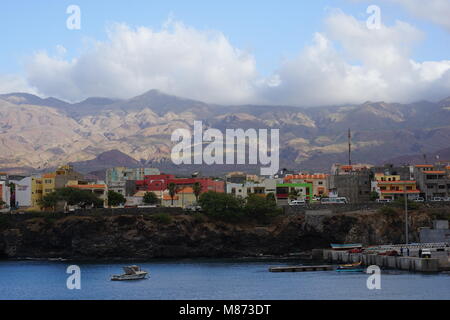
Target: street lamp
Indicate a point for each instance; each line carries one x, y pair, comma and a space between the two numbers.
406, 214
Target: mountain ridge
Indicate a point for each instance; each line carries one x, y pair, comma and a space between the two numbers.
35, 135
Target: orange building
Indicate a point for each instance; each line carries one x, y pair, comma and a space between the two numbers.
391, 187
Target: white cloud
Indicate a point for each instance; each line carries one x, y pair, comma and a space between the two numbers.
436, 11
381, 67
346, 63
178, 60
14, 83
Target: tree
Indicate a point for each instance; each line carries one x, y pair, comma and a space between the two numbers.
115, 199
172, 190
260, 208
271, 197
221, 205
374, 195
150, 198
50, 200
78, 197
197, 190
293, 194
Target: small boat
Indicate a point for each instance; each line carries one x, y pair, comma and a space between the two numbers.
354, 267
346, 246
131, 273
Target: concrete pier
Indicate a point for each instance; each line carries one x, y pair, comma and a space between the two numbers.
413, 264
301, 268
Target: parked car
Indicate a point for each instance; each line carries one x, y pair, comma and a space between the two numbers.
419, 199
338, 200
426, 253
193, 208
447, 199
437, 199
384, 200
301, 202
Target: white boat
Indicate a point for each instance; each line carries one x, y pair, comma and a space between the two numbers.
131, 273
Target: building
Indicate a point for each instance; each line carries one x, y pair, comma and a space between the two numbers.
342, 169
122, 180
154, 183
440, 233
125, 188
243, 190
23, 192
352, 182
391, 187
185, 197
433, 180
100, 189
159, 183
37, 191
121, 174
318, 182
5, 196
284, 190
405, 172
59, 178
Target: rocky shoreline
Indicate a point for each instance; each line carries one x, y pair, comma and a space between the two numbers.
142, 237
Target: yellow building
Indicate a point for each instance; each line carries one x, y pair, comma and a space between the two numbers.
391, 187
49, 182
36, 193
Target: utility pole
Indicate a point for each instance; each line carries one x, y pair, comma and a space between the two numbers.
406, 215
349, 147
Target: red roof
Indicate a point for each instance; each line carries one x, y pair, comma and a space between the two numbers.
400, 192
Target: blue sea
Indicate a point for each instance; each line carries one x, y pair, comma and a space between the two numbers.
211, 279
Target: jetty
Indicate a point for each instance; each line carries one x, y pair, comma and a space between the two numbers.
302, 268
408, 258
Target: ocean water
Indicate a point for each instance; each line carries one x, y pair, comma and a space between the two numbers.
211, 279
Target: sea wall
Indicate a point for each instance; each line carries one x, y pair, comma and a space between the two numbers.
146, 235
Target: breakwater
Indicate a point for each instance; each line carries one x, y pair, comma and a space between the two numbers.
438, 262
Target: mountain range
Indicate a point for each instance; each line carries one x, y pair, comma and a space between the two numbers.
37, 134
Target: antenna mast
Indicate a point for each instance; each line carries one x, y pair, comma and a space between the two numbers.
349, 147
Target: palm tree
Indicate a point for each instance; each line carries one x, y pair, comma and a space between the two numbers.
197, 190
172, 190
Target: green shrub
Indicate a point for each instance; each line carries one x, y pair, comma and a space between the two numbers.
5, 222
162, 218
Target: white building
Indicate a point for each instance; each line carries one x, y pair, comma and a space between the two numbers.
23, 192
243, 190
5, 196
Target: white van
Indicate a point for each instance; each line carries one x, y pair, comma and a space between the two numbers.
338, 200
297, 202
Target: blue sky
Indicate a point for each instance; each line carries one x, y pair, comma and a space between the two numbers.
271, 31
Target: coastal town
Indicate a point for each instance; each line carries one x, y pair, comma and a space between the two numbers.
143, 187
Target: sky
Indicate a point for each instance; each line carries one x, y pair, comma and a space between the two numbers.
301, 53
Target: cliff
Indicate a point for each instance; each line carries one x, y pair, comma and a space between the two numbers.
182, 236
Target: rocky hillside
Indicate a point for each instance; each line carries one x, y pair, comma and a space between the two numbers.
146, 237
42, 133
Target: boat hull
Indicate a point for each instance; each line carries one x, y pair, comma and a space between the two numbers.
131, 277
350, 270
346, 246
